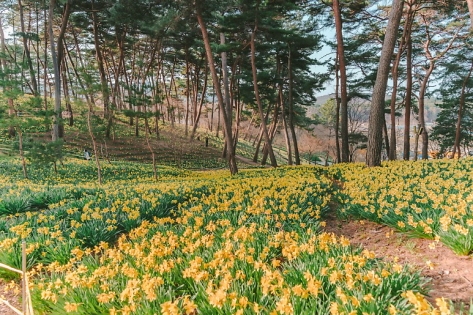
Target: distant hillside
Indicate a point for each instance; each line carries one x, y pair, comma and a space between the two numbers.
431, 110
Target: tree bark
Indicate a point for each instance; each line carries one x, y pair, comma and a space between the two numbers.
22, 153
225, 81
272, 133
57, 57
379, 91
3, 64
343, 81
258, 100
422, 91
297, 159
26, 49
56, 133
386, 137
392, 155
408, 101
456, 146
201, 103
227, 120
337, 113
284, 123
108, 115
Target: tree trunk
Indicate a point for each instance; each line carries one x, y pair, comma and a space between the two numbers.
343, 80
3, 64
88, 95
257, 141
258, 100
56, 133
227, 121
66, 94
456, 146
57, 57
22, 153
26, 49
297, 159
148, 143
392, 154
408, 101
259, 138
94, 144
225, 82
108, 114
386, 138
188, 93
284, 123
417, 131
337, 114
379, 91
422, 91
272, 133
201, 103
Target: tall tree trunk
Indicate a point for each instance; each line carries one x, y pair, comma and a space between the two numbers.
456, 146
227, 121
272, 132
148, 143
26, 49
284, 124
297, 159
259, 137
408, 101
343, 80
373, 157
239, 104
188, 94
417, 132
108, 113
258, 100
337, 113
57, 58
121, 65
56, 134
3, 64
386, 137
45, 62
225, 81
66, 93
422, 91
392, 155
201, 103
257, 142
94, 143
22, 153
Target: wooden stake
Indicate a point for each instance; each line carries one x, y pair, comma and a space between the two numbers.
23, 280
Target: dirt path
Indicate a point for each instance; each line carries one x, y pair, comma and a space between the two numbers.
249, 161
450, 275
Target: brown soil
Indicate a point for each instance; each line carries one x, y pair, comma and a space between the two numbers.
171, 148
11, 297
450, 276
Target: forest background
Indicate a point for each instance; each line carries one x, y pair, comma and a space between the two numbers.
249, 70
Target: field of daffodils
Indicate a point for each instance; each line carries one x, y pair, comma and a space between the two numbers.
208, 243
